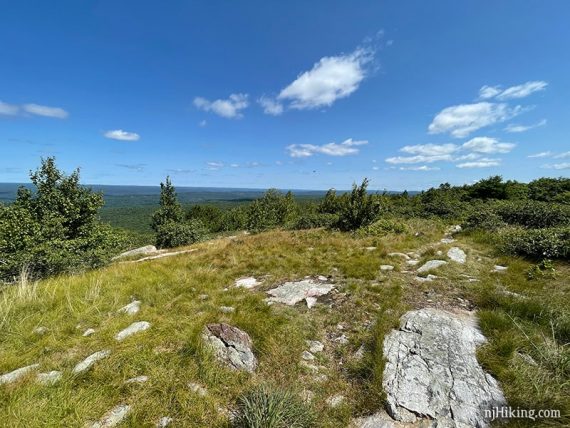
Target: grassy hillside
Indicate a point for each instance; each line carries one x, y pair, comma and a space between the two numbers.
180, 294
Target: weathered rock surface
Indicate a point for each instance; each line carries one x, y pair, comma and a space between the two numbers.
291, 293
49, 378
232, 346
114, 417
447, 240
428, 278
307, 356
137, 379
41, 330
162, 255
386, 268
88, 332
164, 422
432, 264
13, 376
377, 420
227, 309
315, 346
499, 268
148, 249
134, 328
131, 309
88, 362
197, 389
249, 282
457, 255
402, 255
335, 400
432, 371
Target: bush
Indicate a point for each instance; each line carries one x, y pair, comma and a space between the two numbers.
534, 214
209, 215
485, 218
384, 226
170, 235
552, 243
272, 210
266, 407
444, 202
233, 219
314, 220
357, 208
56, 229
170, 210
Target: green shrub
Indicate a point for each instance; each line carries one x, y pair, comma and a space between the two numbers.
357, 208
209, 215
551, 243
170, 235
444, 202
170, 210
384, 226
271, 210
483, 217
55, 229
534, 214
233, 219
266, 407
313, 220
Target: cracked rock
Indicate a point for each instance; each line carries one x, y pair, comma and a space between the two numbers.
231, 345
291, 293
432, 371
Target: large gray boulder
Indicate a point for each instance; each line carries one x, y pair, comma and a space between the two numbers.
231, 345
432, 371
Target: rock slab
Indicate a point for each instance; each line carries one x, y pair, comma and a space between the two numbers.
291, 293
13, 376
231, 345
134, 328
131, 309
88, 362
114, 417
148, 249
457, 255
432, 371
432, 264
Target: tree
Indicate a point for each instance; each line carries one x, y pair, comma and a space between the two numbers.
358, 208
55, 228
170, 209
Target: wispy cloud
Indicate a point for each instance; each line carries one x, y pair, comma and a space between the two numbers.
513, 92
431, 149
214, 166
461, 120
270, 106
32, 109
419, 168
488, 145
541, 155
139, 167
513, 128
562, 155
230, 108
481, 163
119, 134
347, 147
563, 165
418, 159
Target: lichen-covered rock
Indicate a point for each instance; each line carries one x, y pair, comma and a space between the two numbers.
134, 328
430, 265
249, 282
231, 345
88, 362
148, 249
49, 378
13, 376
131, 309
114, 417
291, 293
457, 255
432, 371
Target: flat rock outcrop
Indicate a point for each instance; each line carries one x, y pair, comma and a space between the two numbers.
88, 362
457, 255
114, 417
432, 371
231, 345
146, 250
134, 328
15, 375
430, 265
291, 293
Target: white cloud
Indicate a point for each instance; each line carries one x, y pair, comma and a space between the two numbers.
119, 134
330, 79
481, 163
270, 106
419, 168
522, 128
488, 145
39, 110
430, 149
518, 91
562, 155
461, 120
541, 155
375, 168
564, 165
214, 166
419, 159
230, 108
347, 147
9, 109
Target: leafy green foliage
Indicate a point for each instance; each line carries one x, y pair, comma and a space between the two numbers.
266, 407
272, 210
173, 234
209, 215
550, 190
445, 202
549, 243
54, 229
313, 220
543, 269
483, 217
534, 214
170, 209
357, 208
384, 226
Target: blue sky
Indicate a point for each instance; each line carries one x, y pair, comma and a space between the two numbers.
295, 94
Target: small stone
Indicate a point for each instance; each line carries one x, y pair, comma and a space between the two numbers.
378, 420
404, 256
457, 255
138, 379
198, 389
322, 278
370, 248
307, 356
41, 330
49, 378
454, 229
439, 253
386, 268
88, 332
310, 367
132, 308
320, 378
90, 360
227, 309
164, 421
359, 354
307, 395
114, 417
447, 240
428, 278
432, 264
231, 345
335, 400
249, 282
311, 301
13, 376
134, 328
342, 339
203, 296
315, 346
412, 262
499, 268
